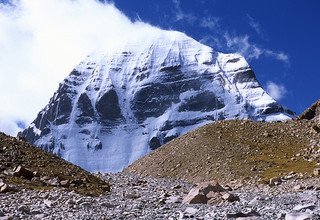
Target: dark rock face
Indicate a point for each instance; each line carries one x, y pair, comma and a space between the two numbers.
108, 106
85, 106
247, 76
205, 101
153, 99
154, 143
63, 109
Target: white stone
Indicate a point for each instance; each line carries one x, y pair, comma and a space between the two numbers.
298, 216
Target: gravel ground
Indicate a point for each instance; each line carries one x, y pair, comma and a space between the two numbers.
136, 197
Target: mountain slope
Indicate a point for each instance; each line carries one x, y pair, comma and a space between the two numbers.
47, 170
236, 150
115, 107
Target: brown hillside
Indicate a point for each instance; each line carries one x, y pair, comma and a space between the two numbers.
49, 170
235, 150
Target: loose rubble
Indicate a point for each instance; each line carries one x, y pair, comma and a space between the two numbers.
136, 197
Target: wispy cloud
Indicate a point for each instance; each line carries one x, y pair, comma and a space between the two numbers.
276, 91
222, 40
210, 22
281, 56
244, 46
254, 25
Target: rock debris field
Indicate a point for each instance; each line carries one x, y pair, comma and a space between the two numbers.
136, 197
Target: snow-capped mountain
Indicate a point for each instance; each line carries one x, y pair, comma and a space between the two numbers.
116, 107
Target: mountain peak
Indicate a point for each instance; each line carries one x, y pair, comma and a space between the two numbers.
117, 106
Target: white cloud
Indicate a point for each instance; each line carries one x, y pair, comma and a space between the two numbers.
243, 45
9, 125
276, 91
281, 56
42, 41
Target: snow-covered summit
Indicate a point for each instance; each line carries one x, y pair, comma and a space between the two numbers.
117, 106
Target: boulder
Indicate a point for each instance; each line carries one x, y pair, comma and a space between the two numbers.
20, 171
5, 188
209, 193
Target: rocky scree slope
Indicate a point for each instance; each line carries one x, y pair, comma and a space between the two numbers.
237, 150
23, 166
147, 93
138, 197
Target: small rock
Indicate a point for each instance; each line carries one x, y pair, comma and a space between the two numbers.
176, 187
173, 199
266, 134
53, 182
298, 208
40, 216
86, 204
298, 216
108, 205
24, 209
35, 211
44, 178
297, 187
275, 181
244, 215
227, 187
65, 183
230, 197
316, 171
36, 174
191, 211
5, 188
132, 195
47, 203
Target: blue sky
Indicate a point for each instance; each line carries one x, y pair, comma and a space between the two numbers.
42, 41
280, 39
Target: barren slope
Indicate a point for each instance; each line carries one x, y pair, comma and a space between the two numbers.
49, 170
236, 150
